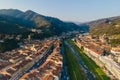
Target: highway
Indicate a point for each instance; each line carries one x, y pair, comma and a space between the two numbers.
81, 62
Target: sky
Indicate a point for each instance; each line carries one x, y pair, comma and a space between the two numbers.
67, 10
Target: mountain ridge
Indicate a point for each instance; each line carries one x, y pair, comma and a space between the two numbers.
108, 27
104, 24
31, 19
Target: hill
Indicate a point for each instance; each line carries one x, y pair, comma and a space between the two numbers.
31, 19
109, 27
10, 25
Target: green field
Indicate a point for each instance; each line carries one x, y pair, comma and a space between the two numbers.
74, 69
96, 70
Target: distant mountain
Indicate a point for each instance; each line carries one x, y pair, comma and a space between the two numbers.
109, 26
10, 12
31, 19
29, 15
10, 25
78, 23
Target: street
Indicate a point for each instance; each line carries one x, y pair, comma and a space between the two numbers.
41, 61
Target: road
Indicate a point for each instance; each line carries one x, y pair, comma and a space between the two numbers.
64, 73
81, 62
40, 61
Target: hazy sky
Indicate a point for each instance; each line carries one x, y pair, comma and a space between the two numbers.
68, 10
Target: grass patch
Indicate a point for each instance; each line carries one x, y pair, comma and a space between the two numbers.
93, 67
74, 69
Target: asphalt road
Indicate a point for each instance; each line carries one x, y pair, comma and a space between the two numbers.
81, 62
40, 62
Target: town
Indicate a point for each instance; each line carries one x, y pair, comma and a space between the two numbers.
105, 56
35, 59
47, 60
60, 40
